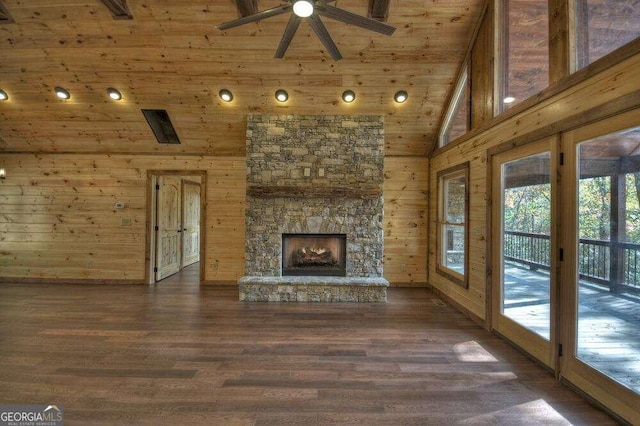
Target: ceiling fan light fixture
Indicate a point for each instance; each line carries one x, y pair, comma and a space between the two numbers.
114, 94
303, 8
282, 95
225, 95
400, 96
61, 93
348, 96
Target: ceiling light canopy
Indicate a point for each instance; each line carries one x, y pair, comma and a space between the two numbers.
3, 95
226, 95
303, 8
282, 95
61, 93
400, 96
114, 94
348, 96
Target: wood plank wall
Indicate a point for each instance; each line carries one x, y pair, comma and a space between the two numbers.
405, 220
586, 96
58, 219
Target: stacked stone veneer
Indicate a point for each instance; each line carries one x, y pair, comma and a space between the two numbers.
334, 151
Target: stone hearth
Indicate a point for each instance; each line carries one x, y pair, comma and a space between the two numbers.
314, 175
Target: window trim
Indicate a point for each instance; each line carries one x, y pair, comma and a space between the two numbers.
461, 88
454, 276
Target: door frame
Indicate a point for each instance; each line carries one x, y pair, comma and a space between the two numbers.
615, 397
150, 241
545, 352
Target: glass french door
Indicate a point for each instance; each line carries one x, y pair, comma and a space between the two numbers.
601, 268
523, 240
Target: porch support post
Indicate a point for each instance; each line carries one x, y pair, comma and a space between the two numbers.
618, 228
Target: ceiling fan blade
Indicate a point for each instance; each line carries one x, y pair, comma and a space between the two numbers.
321, 31
289, 32
347, 17
255, 17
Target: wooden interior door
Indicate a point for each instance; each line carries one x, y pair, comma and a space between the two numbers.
190, 222
524, 302
169, 233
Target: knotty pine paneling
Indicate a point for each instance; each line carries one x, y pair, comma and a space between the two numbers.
577, 104
405, 220
171, 56
58, 217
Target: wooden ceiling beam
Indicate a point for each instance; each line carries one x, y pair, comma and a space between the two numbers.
247, 7
118, 8
379, 9
5, 18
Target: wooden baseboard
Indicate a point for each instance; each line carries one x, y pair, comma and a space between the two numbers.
409, 284
219, 283
13, 280
473, 317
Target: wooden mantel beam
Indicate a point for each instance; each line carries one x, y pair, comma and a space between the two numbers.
118, 8
379, 9
247, 7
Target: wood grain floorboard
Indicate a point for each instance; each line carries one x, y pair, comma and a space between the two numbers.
177, 353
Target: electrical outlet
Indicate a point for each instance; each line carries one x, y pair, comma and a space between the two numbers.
5, 262
90, 264
126, 221
321, 172
307, 171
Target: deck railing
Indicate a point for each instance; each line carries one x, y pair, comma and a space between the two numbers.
616, 265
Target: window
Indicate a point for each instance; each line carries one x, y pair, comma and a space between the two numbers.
602, 26
456, 121
452, 240
524, 51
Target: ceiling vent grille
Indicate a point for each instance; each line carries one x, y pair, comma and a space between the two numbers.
5, 18
118, 8
160, 123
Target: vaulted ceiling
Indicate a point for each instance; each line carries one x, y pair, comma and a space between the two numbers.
170, 56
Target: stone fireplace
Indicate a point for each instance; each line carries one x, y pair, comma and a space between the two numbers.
314, 255
320, 176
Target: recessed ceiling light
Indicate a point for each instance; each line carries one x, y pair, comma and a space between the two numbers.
400, 96
226, 95
3, 95
509, 100
282, 95
348, 96
114, 94
61, 93
303, 8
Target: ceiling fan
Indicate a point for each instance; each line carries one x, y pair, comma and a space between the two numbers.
311, 11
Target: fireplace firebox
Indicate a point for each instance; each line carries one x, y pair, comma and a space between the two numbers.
314, 255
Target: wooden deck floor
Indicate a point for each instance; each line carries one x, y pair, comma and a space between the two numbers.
608, 327
175, 353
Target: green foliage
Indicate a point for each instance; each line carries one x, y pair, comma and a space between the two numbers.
528, 209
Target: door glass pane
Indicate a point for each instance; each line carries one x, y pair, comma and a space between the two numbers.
526, 225
608, 336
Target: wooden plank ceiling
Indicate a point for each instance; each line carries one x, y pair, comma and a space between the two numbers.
170, 56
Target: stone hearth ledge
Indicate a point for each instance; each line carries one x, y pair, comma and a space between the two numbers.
312, 289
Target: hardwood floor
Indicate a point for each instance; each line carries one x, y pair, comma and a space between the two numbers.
174, 353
